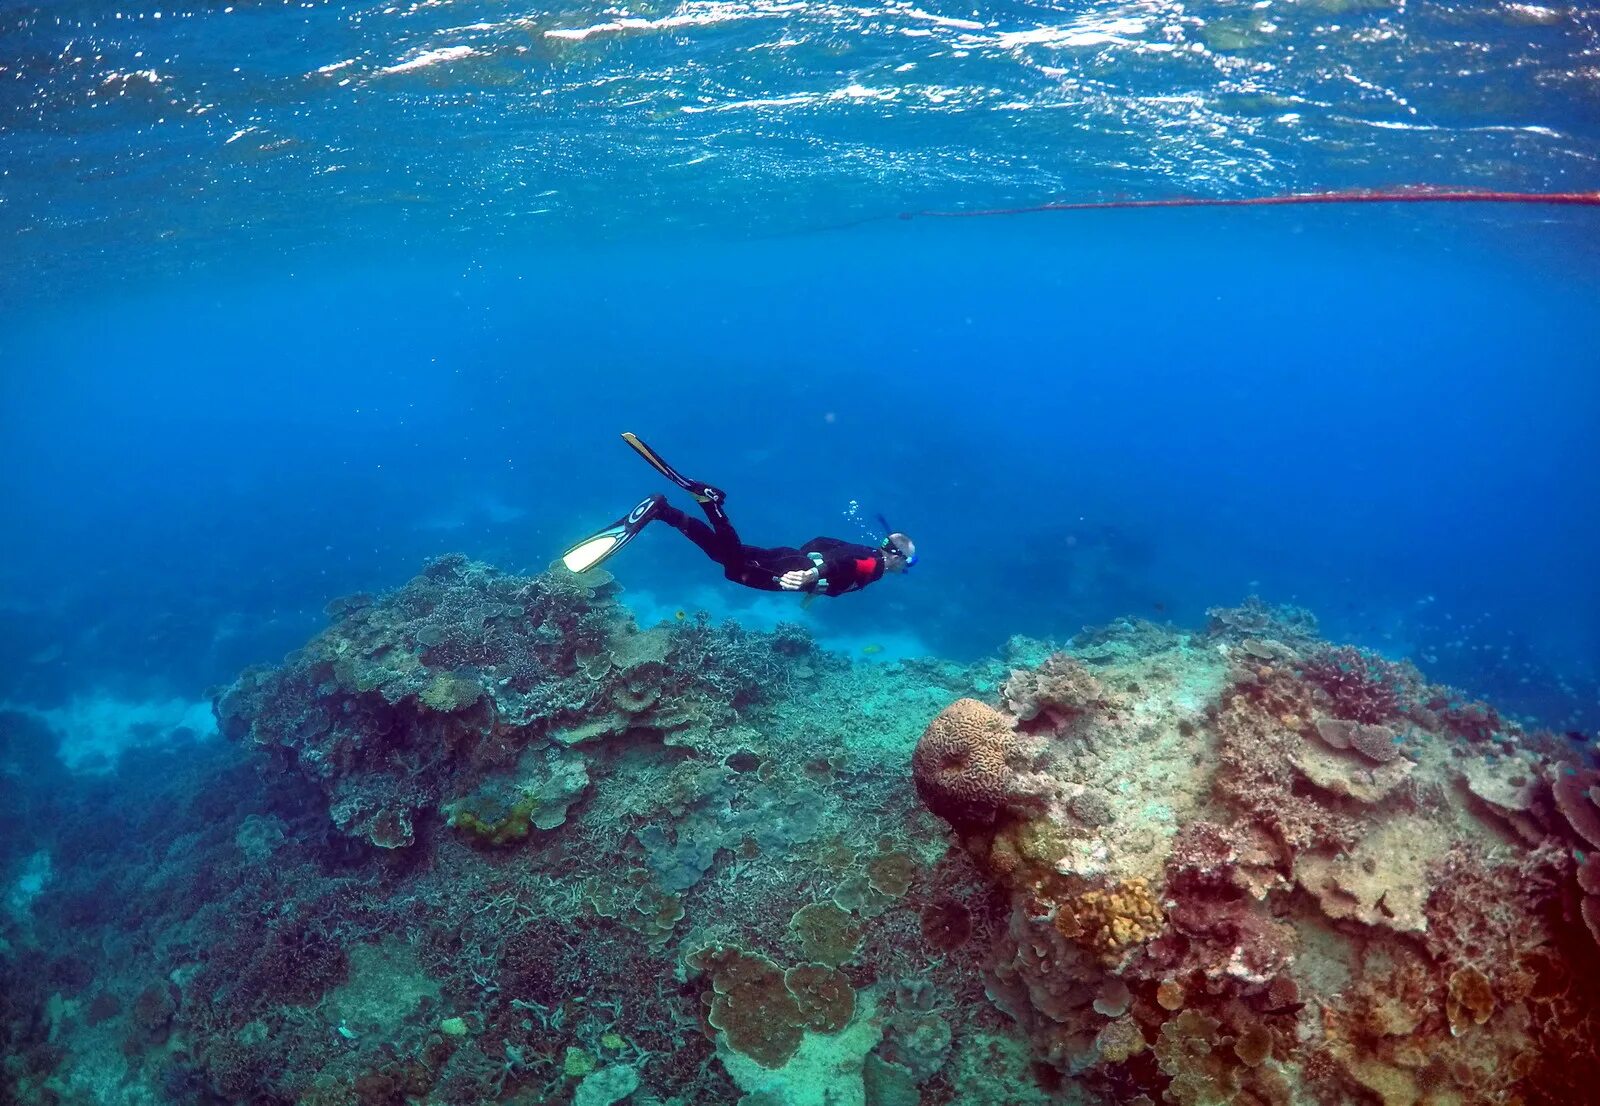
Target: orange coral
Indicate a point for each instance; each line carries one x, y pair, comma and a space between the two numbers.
823, 996
1186, 1050
891, 873
1023, 855
1111, 920
763, 1010
1470, 1000
755, 1011
1253, 1046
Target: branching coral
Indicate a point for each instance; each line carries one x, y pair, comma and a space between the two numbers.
1361, 686
1259, 720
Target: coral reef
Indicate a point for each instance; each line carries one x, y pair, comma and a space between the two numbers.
1339, 896
484, 839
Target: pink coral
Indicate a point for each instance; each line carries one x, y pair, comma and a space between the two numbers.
1360, 685
1219, 928
1575, 792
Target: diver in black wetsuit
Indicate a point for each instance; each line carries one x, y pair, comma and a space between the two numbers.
822, 566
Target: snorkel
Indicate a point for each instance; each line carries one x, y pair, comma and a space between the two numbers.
890, 545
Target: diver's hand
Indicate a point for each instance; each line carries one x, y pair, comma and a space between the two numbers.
794, 581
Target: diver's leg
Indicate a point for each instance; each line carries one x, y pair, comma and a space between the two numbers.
704, 493
727, 537
710, 541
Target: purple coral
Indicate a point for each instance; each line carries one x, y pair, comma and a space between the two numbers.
1577, 796
1361, 686
1217, 928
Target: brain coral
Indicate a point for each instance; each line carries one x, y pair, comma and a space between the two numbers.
962, 764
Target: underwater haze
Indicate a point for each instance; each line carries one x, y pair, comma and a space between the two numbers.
1388, 417
1233, 738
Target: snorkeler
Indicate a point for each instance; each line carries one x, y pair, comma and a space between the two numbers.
822, 566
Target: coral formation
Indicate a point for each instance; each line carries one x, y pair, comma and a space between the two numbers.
966, 763
1346, 841
485, 839
1110, 920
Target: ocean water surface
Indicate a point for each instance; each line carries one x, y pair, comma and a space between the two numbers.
1276, 522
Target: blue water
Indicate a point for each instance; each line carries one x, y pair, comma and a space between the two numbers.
275, 332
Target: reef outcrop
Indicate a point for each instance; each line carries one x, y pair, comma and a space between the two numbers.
470, 697
1305, 875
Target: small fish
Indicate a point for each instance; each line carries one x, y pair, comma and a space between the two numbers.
872, 650
680, 614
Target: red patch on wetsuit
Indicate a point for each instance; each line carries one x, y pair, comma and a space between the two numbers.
866, 566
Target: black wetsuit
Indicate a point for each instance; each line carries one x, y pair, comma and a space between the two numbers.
843, 566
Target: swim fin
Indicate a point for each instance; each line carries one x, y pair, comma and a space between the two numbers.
591, 551
703, 493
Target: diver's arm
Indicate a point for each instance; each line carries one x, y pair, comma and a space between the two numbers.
799, 579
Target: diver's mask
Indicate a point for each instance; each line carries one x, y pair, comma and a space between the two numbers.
889, 545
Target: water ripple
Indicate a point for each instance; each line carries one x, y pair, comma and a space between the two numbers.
123, 127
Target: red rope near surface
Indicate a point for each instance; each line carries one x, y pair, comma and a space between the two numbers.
1418, 195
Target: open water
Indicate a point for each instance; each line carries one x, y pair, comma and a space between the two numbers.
299, 294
